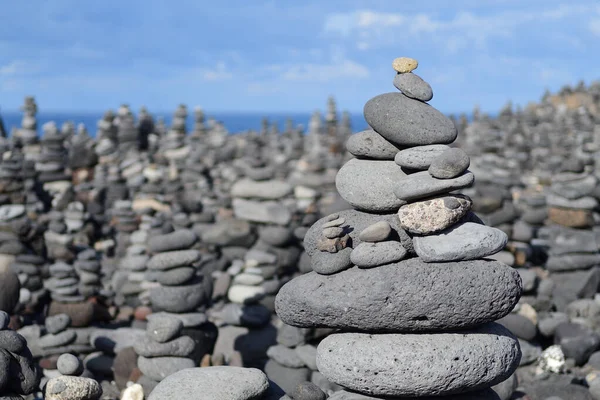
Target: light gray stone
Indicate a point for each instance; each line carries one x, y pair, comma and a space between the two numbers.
450, 164
465, 241
158, 368
261, 211
173, 259
369, 184
266, 190
421, 184
369, 255
377, 232
413, 86
440, 364
327, 263
419, 158
370, 144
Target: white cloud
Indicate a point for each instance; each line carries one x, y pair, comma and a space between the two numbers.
374, 29
218, 73
12, 68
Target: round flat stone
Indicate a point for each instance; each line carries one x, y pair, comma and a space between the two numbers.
487, 394
369, 184
377, 232
261, 211
466, 241
323, 262
450, 164
158, 368
420, 185
183, 346
432, 297
369, 255
68, 364
179, 299
440, 364
370, 144
419, 158
176, 276
434, 214
180, 239
227, 383
60, 339
407, 122
164, 328
413, 86
173, 259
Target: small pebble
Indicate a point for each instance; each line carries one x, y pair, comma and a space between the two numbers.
404, 65
68, 364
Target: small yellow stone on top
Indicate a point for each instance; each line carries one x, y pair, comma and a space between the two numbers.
405, 64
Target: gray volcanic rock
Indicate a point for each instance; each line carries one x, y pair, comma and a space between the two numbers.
261, 211
422, 184
327, 263
421, 157
465, 241
407, 122
164, 328
449, 164
179, 299
432, 297
488, 394
268, 190
72, 387
441, 364
183, 346
158, 368
377, 232
356, 222
180, 239
413, 86
176, 276
369, 184
369, 255
370, 144
12, 341
173, 259
227, 383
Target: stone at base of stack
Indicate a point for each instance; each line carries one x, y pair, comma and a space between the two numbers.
413, 326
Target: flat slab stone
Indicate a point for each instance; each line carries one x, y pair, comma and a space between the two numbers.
408, 296
227, 383
356, 222
465, 241
369, 255
434, 214
268, 190
179, 299
440, 364
419, 158
421, 184
370, 144
261, 211
369, 184
407, 122
173, 259
487, 394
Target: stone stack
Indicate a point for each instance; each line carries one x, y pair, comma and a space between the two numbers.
27, 135
69, 385
52, 160
19, 374
163, 350
435, 309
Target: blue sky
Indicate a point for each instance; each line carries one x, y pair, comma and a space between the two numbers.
285, 55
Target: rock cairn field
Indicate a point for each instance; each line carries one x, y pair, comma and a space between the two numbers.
147, 261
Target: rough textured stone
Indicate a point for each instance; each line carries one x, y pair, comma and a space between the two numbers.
466, 241
419, 158
413, 86
394, 116
227, 383
434, 214
370, 144
376, 364
369, 255
158, 368
432, 297
369, 184
421, 184
12, 341
488, 394
356, 222
164, 328
404, 65
72, 387
450, 164
327, 263
173, 259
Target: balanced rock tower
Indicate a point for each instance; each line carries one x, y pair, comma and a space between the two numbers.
403, 276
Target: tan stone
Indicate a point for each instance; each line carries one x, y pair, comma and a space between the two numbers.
434, 214
405, 64
571, 218
140, 204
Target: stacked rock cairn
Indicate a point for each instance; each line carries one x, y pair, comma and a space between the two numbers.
404, 276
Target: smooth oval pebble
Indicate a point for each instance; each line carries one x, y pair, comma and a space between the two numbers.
68, 364
465, 241
173, 259
369, 255
419, 158
369, 184
420, 185
326, 263
407, 122
413, 86
432, 297
370, 144
164, 328
440, 364
176, 276
404, 65
377, 232
450, 164
180, 239
227, 383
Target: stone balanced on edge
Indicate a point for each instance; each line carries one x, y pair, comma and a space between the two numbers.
403, 276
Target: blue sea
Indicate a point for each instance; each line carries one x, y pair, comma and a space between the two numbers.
234, 122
